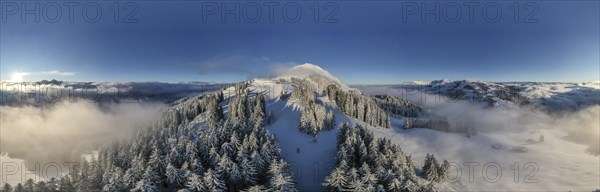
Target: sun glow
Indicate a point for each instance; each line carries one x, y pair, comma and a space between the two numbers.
18, 76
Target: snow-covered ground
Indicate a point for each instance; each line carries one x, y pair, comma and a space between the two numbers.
311, 159
507, 155
509, 138
563, 96
510, 160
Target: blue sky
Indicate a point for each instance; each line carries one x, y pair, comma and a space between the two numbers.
362, 43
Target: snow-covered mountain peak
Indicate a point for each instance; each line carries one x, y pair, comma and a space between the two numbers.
307, 70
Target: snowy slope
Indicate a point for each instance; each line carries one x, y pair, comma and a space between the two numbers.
563, 96
549, 165
552, 165
566, 115
315, 158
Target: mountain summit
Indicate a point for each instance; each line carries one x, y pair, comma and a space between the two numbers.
308, 69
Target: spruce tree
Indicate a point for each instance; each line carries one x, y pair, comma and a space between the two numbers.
430, 167
195, 183
256, 188
175, 177
336, 181
213, 182
6, 188
444, 171
20, 188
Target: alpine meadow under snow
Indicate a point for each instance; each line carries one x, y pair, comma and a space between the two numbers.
305, 130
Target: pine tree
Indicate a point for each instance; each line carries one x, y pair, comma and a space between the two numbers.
248, 172
6, 188
220, 96
336, 181
228, 170
65, 184
145, 185
259, 111
96, 174
444, 171
175, 157
191, 151
430, 187
213, 156
256, 188
281, 182
271, 118
430, 166
279, 178
41, 186
115, 181
157, 160
21, 188
175, 177
214, 112
369, 179
213, 182
148, 183
257, 160
195, 184
330, 120
395, 185
409, 185
356, 185
29, 185
196, 166
410, 165
52, 184
135, 173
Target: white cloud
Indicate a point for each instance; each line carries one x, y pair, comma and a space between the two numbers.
58, 73
65, 131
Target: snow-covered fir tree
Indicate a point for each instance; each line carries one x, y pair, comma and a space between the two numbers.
6, 188
175, 176
430, 168
435, 172
444, 171
213, 182
358, 106
397, 106
315, 116
194, 183
365, 163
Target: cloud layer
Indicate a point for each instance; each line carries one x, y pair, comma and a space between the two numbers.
58, 73
65, 131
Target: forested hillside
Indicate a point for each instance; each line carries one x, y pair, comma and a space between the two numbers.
195, 147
